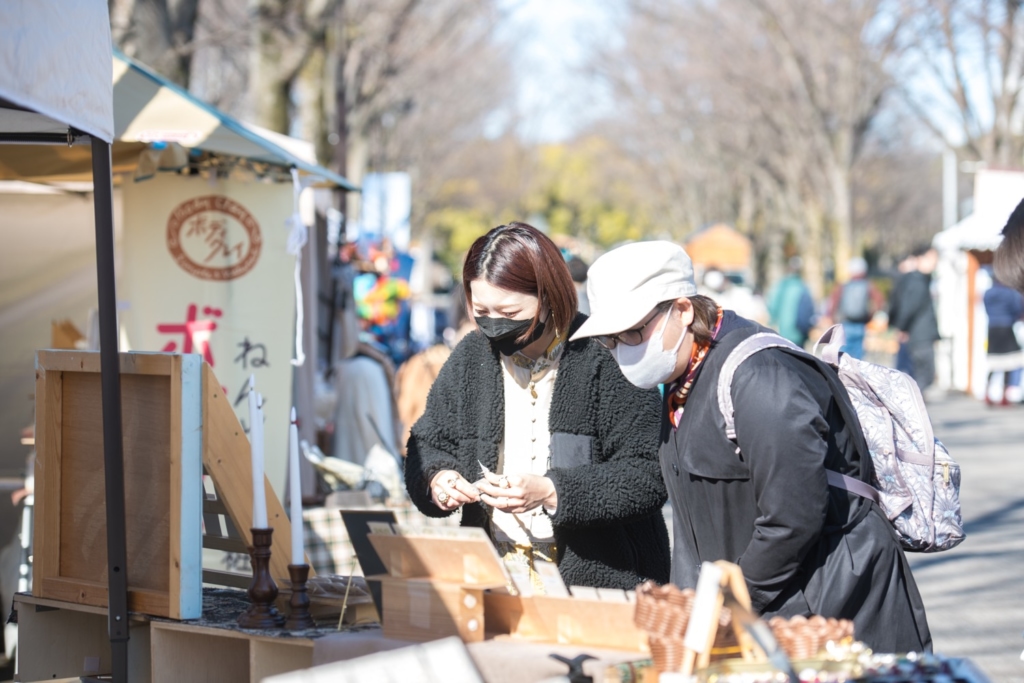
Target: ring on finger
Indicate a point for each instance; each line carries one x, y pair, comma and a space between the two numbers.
504, 483
443, 497
452, 481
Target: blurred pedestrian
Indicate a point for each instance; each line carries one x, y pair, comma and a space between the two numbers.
762, 499
578, 270
734, 296
853, 304
416, 375
915, 316
907, 265
1004, 307
790, 305
540, 440
1009, 257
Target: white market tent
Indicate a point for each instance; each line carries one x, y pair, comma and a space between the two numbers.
961, 281
151, 111
158, 126
56, 88
54, 68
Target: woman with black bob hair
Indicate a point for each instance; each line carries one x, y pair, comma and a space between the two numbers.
539, 440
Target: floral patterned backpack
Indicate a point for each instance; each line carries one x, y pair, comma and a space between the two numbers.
916, 482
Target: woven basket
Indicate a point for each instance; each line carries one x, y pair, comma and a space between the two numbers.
663, 612
803, 638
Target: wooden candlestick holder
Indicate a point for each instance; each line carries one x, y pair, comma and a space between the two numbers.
298, 617
262, 591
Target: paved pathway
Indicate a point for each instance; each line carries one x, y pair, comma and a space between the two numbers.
974, 594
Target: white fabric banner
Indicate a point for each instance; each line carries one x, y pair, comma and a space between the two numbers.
206, 271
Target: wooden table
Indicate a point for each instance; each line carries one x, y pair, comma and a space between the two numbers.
61, 640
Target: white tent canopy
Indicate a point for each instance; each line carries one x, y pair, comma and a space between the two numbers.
978, 232
55, 68
149, 109
996, 195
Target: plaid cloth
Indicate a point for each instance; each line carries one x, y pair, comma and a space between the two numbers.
327, 544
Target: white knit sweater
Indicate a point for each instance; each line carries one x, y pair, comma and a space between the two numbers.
525, 448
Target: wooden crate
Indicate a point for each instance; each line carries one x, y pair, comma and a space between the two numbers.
176, 420
565, 620
161, 396
470, 560
596, 623
435, 582
423, 609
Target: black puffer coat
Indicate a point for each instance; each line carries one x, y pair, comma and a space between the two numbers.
604, 458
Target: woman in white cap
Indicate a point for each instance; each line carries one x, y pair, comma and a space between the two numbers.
541, 441
761, 500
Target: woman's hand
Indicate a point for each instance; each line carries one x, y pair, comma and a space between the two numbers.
517, 493
449, 490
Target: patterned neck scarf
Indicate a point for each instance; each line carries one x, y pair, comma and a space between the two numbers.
679, 391
532, 370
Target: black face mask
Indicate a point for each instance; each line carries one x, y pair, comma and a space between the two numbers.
502, 333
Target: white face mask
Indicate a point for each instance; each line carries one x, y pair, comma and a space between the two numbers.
649, 364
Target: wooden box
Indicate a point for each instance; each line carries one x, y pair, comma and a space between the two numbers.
435, 583
423, 609
161, 397
596, 623
587, 621
176, 420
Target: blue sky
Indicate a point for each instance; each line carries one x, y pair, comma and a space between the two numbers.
554, 39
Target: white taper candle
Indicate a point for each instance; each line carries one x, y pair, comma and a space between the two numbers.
295, 492
259, 492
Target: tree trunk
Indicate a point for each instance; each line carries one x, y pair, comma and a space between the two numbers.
355, 168
814, 271
311, 111
270, 94
157, 33
841, 219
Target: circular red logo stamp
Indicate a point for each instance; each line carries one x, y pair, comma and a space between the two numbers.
214, 238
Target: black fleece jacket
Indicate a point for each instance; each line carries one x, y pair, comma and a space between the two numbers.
604, 458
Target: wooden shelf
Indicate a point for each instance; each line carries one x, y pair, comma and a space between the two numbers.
60, 640
66, 640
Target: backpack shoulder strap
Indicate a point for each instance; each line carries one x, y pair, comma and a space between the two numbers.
744, 350
842, 481
833, 339
830, 343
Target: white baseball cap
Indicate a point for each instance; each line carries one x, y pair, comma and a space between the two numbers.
625, 284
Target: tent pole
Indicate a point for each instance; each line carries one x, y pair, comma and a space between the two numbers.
113, 456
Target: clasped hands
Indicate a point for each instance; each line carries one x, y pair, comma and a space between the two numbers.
513, 493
